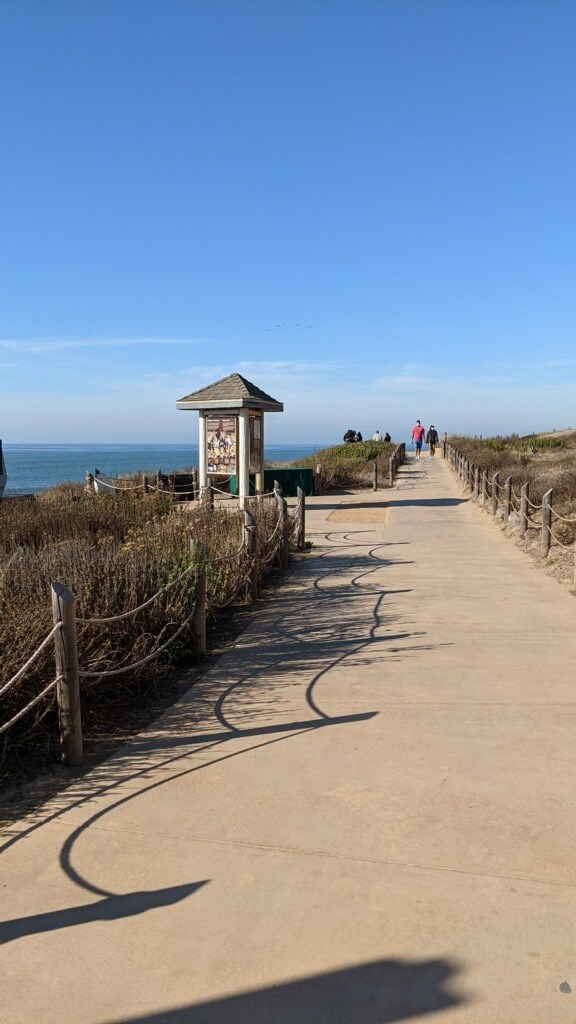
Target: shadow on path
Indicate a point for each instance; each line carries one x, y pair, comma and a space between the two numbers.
379, 992
109, 909
427, 502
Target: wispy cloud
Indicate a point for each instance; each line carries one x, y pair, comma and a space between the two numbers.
39, 346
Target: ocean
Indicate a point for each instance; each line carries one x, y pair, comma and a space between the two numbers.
34, 467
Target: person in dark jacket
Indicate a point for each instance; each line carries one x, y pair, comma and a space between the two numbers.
432, 440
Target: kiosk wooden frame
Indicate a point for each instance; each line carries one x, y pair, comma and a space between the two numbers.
232, 398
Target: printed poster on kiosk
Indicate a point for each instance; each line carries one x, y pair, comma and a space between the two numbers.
221, 441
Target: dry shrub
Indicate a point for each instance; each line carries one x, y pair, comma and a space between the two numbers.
113, 554
544, 461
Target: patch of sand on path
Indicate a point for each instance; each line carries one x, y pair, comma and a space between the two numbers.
355, 512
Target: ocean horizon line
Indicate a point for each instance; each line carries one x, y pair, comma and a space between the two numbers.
148, 444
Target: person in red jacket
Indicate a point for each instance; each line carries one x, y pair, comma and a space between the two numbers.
418, 436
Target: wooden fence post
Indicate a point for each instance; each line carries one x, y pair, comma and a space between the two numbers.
507, 498
546, 522
495, 482
318, 479
524, 494
375, 475
68, 686
251, 546
89, 486
199, 617
144, 484
301, 537
484, 488
283, 519
476, 483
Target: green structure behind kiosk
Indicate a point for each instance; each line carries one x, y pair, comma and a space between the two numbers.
289, 480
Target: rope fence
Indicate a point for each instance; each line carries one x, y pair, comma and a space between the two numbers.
254, 554
501, 498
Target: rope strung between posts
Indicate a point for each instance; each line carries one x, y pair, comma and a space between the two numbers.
30, 705
274, 531
21, 671
563, 519
217, 490
134, 611
143, 661
264, 494
532, 505
162, 490
567, 547
241, 585
116, 487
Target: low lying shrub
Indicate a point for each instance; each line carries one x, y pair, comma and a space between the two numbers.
544, 461
350, 465
113, 554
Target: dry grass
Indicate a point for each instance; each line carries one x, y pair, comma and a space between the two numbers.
546, 462
543, 460
112, 554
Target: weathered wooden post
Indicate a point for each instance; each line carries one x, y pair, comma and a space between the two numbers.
375, 475
318, 479
546, 523
484, 488
144, 484
89, 486
391, 471
283, 527
495, 483
68, 684
251, 548
524, 493
476, 491
507, 498
199, 617
301, 538
158, 479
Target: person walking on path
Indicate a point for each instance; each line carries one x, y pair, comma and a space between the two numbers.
418, 437
432, 440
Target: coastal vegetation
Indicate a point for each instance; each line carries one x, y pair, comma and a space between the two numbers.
112, 554
545, 463
546, 460
349, 465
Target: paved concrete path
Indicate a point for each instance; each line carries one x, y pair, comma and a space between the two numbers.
364, 814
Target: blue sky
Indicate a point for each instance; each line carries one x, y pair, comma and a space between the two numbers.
367, 208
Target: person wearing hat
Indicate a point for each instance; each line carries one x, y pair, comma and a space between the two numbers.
432, 440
